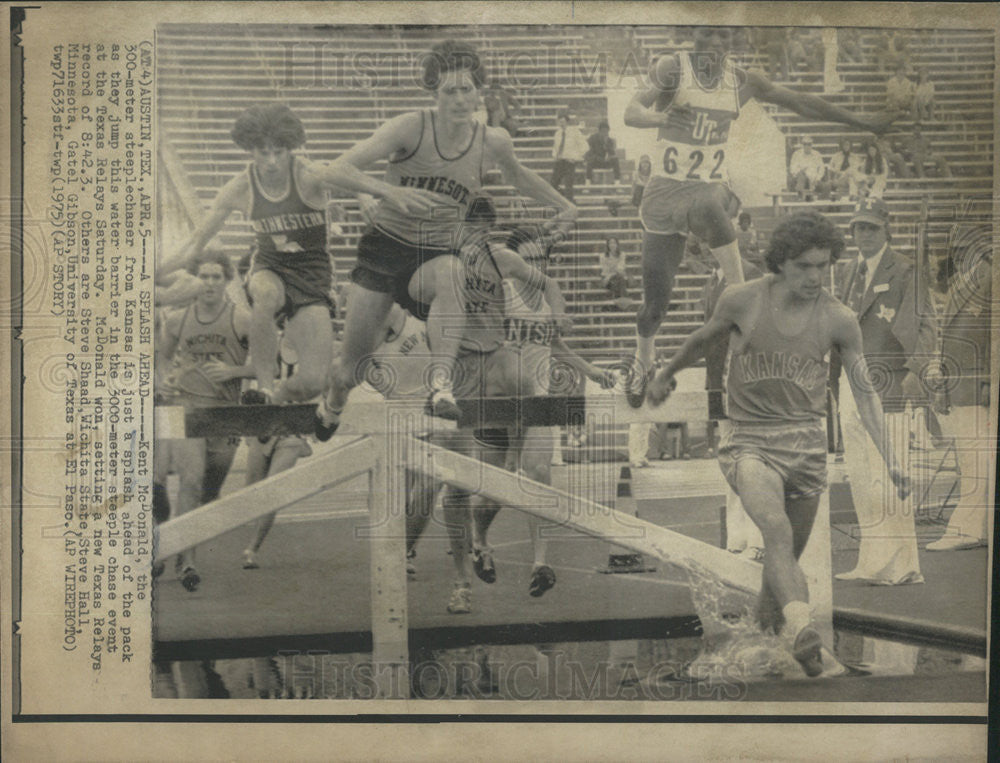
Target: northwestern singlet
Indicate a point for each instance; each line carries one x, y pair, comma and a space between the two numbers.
776, 377
291, 237
454, 179
199, 341
693, 143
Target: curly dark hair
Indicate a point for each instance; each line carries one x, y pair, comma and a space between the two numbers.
451, 56
213, 255
268, 124
799, 233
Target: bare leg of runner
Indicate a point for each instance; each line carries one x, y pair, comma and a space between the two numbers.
437, 283
268, 296
366, 316
189, 461
786, 528
310, 328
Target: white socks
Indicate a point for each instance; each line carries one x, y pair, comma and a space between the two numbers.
797, 616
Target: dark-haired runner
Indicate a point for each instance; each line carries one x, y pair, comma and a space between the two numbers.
782, 328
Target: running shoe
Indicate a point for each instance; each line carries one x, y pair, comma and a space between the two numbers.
325, 422
806, 651
460, 602
542, 579
190, 578
482, 563
250, 559
442, 405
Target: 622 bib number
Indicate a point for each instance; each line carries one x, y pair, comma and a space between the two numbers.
694, 162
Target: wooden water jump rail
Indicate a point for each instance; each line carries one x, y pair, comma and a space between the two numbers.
385, 448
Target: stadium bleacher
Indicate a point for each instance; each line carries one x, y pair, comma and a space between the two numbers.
344, 81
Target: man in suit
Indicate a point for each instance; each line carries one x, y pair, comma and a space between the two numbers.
898, 334
568, 149
964, 394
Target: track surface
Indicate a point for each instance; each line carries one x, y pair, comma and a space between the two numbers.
314, 581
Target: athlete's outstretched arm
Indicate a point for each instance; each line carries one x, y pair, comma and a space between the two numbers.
347, 171
176, 289
233, 195
640, 111
500, 147
731, 305
847, 338
603, 376
814, 107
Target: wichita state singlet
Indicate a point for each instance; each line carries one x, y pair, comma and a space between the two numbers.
198, 341
482, 296
693, 143
454, 179
777, 377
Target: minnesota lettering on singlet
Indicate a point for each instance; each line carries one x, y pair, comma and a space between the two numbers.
777, 377
455, 179
692, 145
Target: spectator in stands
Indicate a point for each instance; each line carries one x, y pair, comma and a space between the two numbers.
849, 42
807, 171
892, 50
613, 274
875, 171
844, 171
774, 43
892, 152
805, 52
601, 153
642, 174
568, 149
919, 151
748, 241
923, 97
502, 109
899, 91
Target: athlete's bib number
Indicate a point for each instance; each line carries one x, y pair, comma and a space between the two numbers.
694, 166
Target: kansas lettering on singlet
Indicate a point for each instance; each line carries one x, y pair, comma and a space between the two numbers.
693, 143
455, 179
287, 224
777, 377
199, 341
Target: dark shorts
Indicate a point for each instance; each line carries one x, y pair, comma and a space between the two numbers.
307, 278
795, 450
385, 264
473, 371
666, 203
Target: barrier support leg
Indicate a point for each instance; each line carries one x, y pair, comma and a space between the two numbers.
387, 535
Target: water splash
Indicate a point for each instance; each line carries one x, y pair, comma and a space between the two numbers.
734, 648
